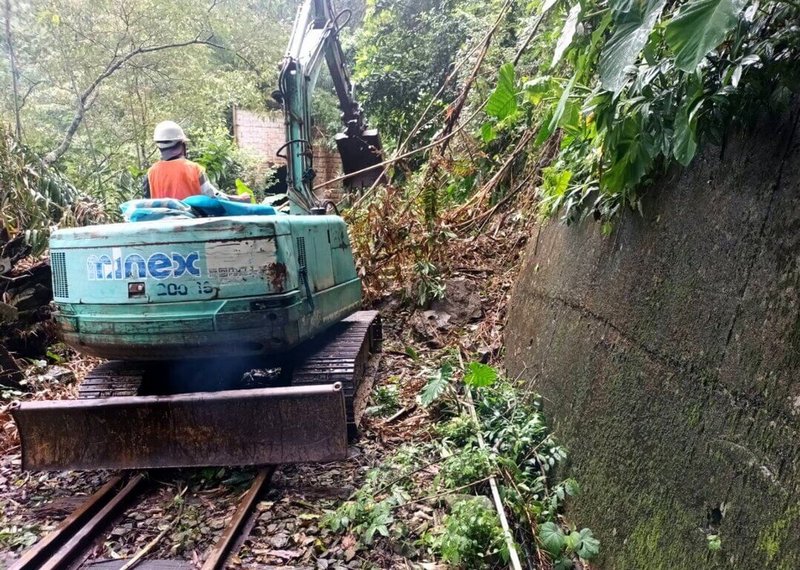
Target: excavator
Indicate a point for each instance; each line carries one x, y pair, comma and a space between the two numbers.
233, 336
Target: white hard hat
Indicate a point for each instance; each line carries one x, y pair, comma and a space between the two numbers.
168, 134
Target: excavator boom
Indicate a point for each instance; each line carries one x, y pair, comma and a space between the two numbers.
316, 38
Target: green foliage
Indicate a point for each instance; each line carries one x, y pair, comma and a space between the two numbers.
149, 63
428, 283
480, 375
467, 466
35, 197
222, 160
561, 546
567, 33
638, 86
503, 100
385, 401
472, 536
634, 21
402, 58
458, 431
364, 516
714, 542
437, 385
699, 27
520, 452
18, 538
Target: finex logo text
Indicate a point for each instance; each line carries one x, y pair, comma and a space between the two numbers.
134, 266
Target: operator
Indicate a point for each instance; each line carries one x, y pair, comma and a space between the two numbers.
175, 176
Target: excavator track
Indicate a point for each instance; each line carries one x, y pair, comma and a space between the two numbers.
112, 379
341, 356
125, 419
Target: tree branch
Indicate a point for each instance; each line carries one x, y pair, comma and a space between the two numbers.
30, 89
12, 60
85, 99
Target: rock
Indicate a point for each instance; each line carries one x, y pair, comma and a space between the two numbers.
279, 540
438, 319
58, 374
461, 302
461, 305
428, 327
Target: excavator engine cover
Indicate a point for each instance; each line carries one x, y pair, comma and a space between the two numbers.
235, 427
358, 153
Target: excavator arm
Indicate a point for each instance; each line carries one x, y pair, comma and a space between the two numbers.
315, 38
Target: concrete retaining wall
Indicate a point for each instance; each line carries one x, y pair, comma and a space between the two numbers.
669, 357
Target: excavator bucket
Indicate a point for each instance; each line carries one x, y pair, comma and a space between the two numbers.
358, 153
259, 426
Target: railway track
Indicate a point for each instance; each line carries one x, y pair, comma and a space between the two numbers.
69, 546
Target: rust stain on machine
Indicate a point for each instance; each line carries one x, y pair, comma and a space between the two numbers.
276, 273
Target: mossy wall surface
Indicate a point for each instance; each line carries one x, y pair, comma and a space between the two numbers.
669, 358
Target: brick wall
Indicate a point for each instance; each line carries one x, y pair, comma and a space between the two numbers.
263, 134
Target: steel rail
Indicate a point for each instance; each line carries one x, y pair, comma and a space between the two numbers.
66, 547
222, 549
70, 540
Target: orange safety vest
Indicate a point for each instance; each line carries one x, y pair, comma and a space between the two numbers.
178, 178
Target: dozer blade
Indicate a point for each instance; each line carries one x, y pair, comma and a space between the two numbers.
236, 427
360, 152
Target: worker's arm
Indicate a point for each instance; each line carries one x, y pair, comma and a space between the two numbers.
208, 189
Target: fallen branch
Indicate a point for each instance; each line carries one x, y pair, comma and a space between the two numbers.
153, 543
400, 414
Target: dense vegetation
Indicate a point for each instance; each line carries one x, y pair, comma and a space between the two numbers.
598, 97
499, 109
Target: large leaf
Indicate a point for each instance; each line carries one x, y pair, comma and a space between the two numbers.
567, 33
685, 145
480, 375
503, 100
552, 538
631, 30
436, 385
551, 122
699, 27
589, 546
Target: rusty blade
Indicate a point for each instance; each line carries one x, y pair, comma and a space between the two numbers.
236, 427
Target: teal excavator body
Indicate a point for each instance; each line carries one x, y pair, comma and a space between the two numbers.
200, 288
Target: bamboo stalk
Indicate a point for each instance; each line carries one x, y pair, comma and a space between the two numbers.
514, 562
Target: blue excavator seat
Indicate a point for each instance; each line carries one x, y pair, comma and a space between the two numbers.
150, 209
